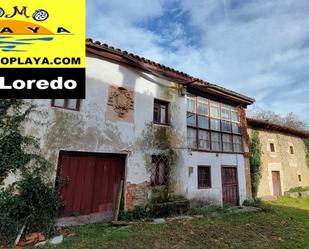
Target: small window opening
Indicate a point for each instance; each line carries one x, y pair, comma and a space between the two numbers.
160, 112
204, 177
292, 150
272, 147
160, 170
70, 104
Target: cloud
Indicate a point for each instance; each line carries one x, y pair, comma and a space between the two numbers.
259, 48
115, 22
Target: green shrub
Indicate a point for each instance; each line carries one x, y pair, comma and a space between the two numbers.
258, 203
299, 189
159, 194
137, 213
253, 202
35, 202
10, 205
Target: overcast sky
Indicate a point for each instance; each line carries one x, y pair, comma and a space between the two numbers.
258, 48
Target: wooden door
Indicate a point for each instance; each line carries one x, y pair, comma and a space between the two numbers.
276, 183
229, 186
89, 183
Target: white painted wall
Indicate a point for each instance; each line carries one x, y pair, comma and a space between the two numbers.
213, 195
88, 130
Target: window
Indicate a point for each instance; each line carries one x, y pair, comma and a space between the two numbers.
237, 143
292, 150
202, 105
213, 126
160, 170
216, 141
203, 177
226, 126
160, 112
191, 119
235, 116
191, 138
235, 128
214, 109
272, 147
204, 141
215, 115
227, 142
225, 112
191, 103
71, 104
202, 122
299, 178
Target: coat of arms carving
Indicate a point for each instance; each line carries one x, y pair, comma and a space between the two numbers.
121, 100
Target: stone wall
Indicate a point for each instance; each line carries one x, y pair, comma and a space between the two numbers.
248, 175
289, 165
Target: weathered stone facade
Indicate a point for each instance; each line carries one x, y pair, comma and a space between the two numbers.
292, 167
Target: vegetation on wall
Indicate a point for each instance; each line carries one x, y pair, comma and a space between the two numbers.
158, 139
306, 141
13, 157
32, 199
255, 161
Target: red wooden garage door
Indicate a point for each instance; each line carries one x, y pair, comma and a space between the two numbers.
89, 183
229, 186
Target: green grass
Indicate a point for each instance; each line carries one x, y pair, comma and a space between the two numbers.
299, 189
286, 225
297, 203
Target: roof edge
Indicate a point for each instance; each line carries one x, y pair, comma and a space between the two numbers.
104, 50
263, 124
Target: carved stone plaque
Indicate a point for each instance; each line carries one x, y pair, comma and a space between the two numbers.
120, 104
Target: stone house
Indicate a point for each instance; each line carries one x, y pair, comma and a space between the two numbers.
283, 158
148, 125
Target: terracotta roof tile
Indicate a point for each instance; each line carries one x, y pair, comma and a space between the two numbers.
186, 77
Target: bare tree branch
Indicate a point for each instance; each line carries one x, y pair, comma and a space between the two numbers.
290, 120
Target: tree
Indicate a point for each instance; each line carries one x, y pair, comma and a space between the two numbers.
290, 120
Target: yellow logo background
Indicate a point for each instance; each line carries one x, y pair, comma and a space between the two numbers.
69, 15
